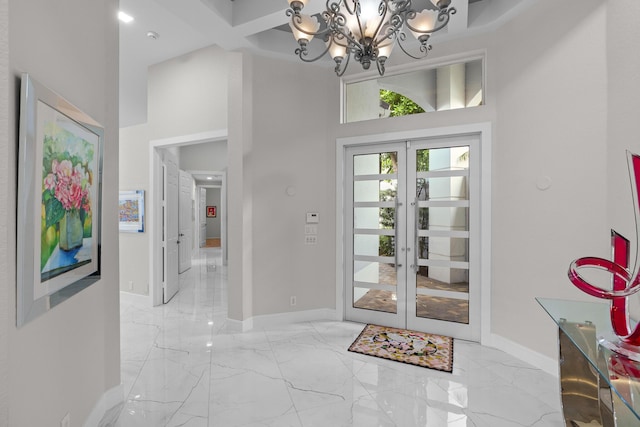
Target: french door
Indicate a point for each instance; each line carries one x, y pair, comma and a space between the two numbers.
412, 238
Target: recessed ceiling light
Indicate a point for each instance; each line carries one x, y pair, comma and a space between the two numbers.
209, 177
124, 17
153, 35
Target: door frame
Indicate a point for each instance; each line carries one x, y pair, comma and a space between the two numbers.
483, 131
222, 209
154, 214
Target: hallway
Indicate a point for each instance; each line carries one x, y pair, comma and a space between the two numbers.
181, 367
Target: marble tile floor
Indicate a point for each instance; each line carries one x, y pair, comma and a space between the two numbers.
181, 366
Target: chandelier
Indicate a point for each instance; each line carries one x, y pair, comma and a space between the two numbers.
367, 29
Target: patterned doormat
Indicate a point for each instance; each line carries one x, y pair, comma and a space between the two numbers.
415, 348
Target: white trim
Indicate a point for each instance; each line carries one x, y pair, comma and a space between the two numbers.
107, 401
155, 231
125, 295
540, 361
191, 139
238, 326
279, 319
484, 131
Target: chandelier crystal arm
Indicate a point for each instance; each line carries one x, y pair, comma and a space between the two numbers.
381, 68
425, 47
340, 63
391, 29
302, 53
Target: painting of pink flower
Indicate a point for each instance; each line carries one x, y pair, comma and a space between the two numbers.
68, 185
67, 170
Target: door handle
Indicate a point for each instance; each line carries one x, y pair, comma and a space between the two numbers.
395, 225
416, 240
181, 235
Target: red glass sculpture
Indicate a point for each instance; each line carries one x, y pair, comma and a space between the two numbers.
625, 282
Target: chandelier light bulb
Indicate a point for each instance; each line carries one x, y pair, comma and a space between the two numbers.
424, 22
304, 27
336, 50
384, 50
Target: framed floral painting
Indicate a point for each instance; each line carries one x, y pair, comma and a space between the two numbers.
59, 200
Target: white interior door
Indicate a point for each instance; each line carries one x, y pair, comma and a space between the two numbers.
185, 218
170, 216
202, 227
412, 219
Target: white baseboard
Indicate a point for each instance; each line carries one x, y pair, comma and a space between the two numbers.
278, 319
271, 320
239, 325
540, 361
132, 296
108, 400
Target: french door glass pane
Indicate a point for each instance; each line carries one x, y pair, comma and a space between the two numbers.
375, 299
383, 190
443, 248
443, 279
375, 272
375, 183
376, 163
374, 245
442, 292
443, 218
374, 218
369, 298
440, 188
442, 159
439, 308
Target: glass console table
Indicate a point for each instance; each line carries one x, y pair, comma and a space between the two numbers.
598, 387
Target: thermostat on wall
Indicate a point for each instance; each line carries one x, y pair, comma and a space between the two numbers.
312, 218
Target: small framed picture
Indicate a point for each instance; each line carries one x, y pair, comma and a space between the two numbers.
131, 211
211, 211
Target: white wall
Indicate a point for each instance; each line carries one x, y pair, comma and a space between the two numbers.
134, 175
214, 224
65, 360
240, 201
209, 156
551, 93
7, 218
188, 95
293, 146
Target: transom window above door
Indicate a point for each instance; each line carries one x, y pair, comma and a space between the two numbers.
444, 87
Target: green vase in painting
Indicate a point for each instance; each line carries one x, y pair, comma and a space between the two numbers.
71, 230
